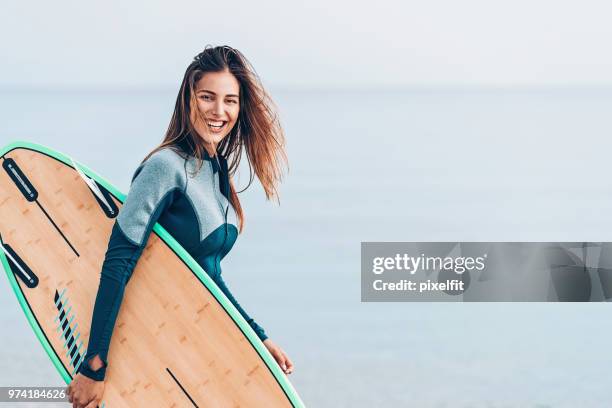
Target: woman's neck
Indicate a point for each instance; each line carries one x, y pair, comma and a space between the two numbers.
211, 149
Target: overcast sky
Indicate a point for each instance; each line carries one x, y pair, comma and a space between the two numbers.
318, 43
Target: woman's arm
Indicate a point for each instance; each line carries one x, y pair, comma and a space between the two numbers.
258, 329
278, 353
151, 193
119, 262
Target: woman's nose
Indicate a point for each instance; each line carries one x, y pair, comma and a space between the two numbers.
218, 108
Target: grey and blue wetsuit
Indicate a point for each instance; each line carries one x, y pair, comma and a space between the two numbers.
194, 209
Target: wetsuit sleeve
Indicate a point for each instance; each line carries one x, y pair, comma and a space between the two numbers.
153, 190
258, 329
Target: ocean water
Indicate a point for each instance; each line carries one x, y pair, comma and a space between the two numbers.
404, 165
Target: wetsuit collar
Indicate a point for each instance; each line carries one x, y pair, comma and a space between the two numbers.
219, 165
216, 161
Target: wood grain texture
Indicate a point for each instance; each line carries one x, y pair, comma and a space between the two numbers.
168, 322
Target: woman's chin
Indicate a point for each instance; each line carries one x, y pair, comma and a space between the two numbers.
212, 139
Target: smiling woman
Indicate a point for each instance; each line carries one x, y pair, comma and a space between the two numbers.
222, 107
185, 184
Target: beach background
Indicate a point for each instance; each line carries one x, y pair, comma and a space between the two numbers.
422, 165
437, 121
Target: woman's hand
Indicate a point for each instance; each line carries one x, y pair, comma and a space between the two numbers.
279, 355
84, 392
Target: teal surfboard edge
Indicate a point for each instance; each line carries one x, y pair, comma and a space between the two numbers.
261, 349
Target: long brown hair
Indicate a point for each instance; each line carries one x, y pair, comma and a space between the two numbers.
257, 128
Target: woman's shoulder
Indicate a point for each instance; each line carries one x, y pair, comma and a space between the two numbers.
165, 164
166, 157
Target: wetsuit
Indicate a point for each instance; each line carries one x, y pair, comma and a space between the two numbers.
194, 209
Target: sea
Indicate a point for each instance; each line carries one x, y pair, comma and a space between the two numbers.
405, 164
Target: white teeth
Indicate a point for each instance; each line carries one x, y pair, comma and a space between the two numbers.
216, 124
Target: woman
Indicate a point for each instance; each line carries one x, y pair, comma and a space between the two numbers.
185, 185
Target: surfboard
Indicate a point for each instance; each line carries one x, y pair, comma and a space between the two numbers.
178, 341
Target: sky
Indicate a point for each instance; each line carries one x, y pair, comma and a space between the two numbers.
314, 44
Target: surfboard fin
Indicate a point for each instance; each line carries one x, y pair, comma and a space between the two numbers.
19, 267
23, 184
101, 195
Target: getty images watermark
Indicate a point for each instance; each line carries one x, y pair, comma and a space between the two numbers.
486, 271
413, 264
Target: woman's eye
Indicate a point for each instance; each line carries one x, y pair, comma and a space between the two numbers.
206, 97
232, 101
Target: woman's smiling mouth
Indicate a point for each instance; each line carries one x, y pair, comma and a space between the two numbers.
216, 126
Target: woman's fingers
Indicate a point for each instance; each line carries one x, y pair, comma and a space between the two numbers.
79, 401
84, 403
283, 361
93, 404
289, 364
279, 355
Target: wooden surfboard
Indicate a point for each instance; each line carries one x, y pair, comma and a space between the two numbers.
178, 341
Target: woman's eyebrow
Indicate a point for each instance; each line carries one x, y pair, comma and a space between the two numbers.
211, 92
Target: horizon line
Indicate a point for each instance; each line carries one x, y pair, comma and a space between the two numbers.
316, 88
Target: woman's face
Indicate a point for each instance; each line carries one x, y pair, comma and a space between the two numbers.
217, 95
